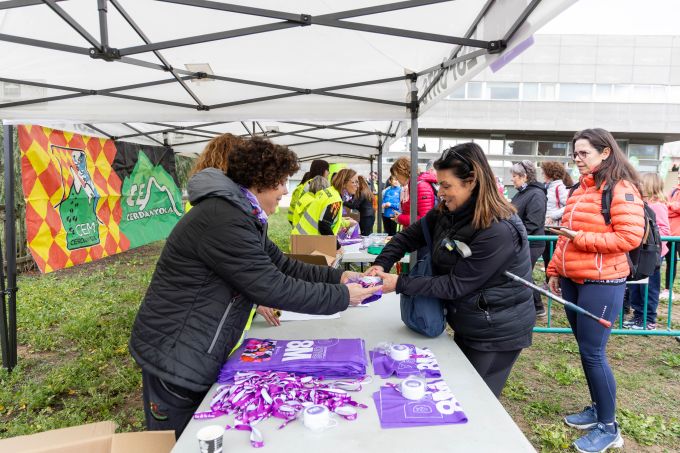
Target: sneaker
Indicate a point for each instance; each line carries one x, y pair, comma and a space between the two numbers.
541, 313
599, 440
583, 420
632, 322
640, 326
664, 294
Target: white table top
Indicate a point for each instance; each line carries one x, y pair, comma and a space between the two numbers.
489, 427
354, 254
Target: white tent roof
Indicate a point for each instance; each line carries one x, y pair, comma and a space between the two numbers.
327, 62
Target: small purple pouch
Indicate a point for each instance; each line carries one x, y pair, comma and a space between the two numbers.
368, 282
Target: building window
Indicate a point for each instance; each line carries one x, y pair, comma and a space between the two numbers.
474, 90
547, 92
11, 90
576, 92
458, 93
552, 148
519, 148
643, 151
603, 92
622, 93
674, 94
502, 90
530, 91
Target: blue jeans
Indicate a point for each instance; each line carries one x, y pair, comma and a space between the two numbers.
604, 301
637, 297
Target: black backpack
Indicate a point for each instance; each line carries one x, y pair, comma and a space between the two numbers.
644, 259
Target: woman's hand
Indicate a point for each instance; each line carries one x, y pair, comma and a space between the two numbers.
357, 293
386, 204
566, 232
373, 271
389, 281
269, 315
350, 276
554, 285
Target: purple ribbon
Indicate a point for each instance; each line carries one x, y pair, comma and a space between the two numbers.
257, 395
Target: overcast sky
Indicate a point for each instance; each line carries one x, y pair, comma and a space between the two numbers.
618, 17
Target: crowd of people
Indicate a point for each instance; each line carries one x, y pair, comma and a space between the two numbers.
203, 294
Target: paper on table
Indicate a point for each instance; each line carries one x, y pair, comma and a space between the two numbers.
292, 316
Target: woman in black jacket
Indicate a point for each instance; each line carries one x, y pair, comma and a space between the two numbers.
362, 201
216, 265
491, 315
531, 202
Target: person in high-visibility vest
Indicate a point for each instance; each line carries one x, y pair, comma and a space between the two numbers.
317, 168
316, 184
324, 215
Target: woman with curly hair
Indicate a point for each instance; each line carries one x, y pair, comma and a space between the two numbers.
217, 263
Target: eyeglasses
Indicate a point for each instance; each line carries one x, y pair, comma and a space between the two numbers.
581, 154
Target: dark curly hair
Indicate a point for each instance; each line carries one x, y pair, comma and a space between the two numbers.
261, 164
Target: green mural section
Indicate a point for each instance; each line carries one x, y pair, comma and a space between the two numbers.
151, 203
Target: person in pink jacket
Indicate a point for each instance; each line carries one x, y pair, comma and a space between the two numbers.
674, 217
652, 193
401, 169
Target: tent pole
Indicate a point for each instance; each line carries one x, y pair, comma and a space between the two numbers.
10, 246
380, 189
103, 25
413, 184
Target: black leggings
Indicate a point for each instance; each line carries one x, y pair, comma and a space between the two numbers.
390, 226
366, 224
493, 366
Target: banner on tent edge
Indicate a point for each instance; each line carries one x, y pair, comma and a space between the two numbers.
89, 197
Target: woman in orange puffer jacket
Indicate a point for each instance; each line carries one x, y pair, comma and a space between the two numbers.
589, 267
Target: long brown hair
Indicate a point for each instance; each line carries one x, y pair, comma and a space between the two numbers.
364, 191
341, 178
616, 167
216, 153
467, 161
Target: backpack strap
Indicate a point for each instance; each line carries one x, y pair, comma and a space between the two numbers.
426, 233
573, 188
607, 204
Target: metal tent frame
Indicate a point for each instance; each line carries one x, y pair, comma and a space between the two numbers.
102, 48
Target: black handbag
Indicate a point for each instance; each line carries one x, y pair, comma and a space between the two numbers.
423, 314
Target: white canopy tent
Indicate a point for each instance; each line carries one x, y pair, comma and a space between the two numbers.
200, 67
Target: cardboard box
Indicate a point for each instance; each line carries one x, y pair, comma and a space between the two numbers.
91, 438
313, 246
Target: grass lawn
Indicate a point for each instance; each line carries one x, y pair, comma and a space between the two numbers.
74, 366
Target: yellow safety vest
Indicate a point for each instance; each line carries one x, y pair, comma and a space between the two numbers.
309, 220
306, 199
245, 331
295, 199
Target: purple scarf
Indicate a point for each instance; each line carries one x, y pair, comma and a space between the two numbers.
257, 210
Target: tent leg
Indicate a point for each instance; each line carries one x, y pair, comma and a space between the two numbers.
413, 183
10, 246
379, 212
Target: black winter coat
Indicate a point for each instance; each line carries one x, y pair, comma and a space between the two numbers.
531, 205
216, 264
487, 311
362, 204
